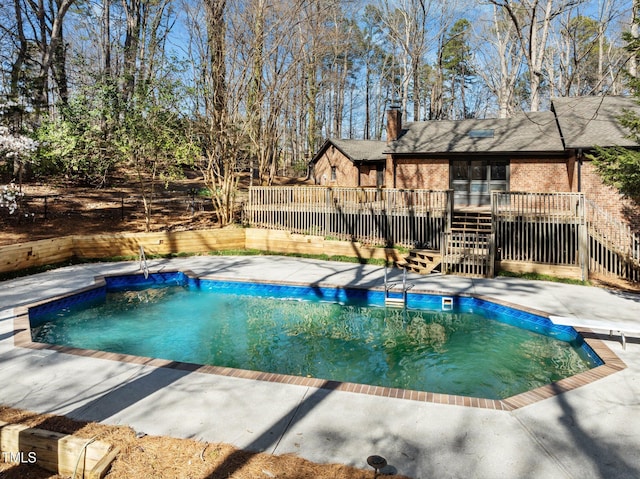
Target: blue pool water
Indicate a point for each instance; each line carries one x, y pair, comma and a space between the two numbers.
478, 349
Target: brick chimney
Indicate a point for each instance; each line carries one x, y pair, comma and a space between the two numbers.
394, 123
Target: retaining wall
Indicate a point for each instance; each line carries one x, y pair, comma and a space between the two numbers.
57, 250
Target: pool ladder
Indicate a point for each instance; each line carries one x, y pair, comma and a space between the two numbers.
143, 263
395, 301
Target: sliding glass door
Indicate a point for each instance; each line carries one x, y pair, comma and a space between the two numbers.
473, 181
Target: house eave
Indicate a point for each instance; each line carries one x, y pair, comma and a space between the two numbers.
484, 154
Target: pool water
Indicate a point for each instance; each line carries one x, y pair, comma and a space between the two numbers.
459, 352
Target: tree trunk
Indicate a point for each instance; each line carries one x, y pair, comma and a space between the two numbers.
133, 12
106, 38
216, 30
219, 173
635, 34
21, 53
59, 64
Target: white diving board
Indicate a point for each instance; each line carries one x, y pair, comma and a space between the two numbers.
599, 324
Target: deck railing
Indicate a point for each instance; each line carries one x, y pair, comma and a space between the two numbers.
539, 227
564, 229
614, 248
551, 228
411, 218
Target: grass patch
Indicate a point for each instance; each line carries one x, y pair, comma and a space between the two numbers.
543, 277
37, 269
323, 257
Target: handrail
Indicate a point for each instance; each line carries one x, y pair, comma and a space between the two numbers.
389, 286
617, 233
143, 263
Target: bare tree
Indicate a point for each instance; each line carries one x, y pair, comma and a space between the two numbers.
220, 140
635, 37
46, 23
501, 60
532, 21
405, 25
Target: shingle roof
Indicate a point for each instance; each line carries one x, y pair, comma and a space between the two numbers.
357, 150
589, 121
530, 132
579, 122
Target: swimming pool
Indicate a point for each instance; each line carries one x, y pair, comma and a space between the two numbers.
479, 348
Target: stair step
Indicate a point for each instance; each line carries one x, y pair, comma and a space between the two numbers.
425, 254
421, 261
395, 302
418, 269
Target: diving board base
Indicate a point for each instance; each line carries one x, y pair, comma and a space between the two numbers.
598, 324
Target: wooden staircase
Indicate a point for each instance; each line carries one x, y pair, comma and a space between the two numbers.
467, 248
422, 261
471, 222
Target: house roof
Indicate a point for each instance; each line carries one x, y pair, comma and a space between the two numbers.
530, 132
356, 150
588, 121
576, 122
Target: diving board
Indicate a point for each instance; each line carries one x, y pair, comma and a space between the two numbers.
599, 324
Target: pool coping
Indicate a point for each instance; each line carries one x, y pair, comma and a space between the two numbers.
611, 362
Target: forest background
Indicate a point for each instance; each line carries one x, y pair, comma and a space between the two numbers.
224, 86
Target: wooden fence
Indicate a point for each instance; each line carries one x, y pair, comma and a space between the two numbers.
553, 233
412, 218
115, 206
529, 230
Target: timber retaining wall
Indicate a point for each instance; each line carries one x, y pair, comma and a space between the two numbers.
58, 250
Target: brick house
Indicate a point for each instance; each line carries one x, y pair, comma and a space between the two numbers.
350, 163
530, 152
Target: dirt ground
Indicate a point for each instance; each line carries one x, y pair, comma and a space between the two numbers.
51, 210
153, 457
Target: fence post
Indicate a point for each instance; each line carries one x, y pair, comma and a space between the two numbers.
492, 256
583, 240
327, 206
449, 212
443, 251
